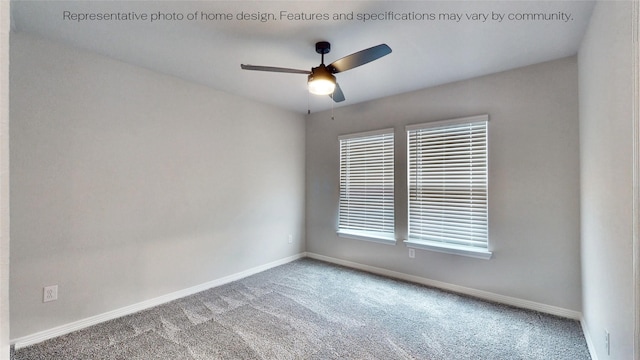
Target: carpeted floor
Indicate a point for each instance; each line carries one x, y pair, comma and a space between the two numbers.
308, 309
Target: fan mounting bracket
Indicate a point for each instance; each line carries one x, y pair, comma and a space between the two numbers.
323, 47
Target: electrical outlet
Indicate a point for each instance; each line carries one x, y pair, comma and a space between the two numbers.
290, 239
607, 342
412, 253
50, 293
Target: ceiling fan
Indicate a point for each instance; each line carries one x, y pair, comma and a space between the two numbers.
321, 80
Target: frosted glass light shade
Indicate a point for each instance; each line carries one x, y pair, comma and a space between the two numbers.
322, 86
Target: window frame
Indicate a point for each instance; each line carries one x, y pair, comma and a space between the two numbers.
384, 237
442, 246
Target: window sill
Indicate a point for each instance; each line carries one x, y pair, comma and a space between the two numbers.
449, 249
380, 238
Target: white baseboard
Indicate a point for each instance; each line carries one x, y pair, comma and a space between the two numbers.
110, 315
485, 295
588, 339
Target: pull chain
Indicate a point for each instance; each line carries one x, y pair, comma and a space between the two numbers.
332, 103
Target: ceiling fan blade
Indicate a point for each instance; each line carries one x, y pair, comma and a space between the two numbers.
274, 69
360, 58
337, 95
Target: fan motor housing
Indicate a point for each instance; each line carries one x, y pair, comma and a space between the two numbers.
321, 72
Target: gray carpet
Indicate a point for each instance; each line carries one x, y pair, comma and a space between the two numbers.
308, 309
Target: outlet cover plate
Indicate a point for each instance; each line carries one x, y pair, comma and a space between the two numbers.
50, 293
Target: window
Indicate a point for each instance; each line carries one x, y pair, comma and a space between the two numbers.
447, 175
366, 208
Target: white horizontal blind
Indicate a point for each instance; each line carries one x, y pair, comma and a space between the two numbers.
366, 183
448, 182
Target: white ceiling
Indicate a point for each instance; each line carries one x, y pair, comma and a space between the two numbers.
425, 52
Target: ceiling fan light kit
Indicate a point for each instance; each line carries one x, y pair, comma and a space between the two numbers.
321, 80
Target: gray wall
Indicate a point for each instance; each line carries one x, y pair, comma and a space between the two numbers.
127, 185
606, 158
4, 180
533, 182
